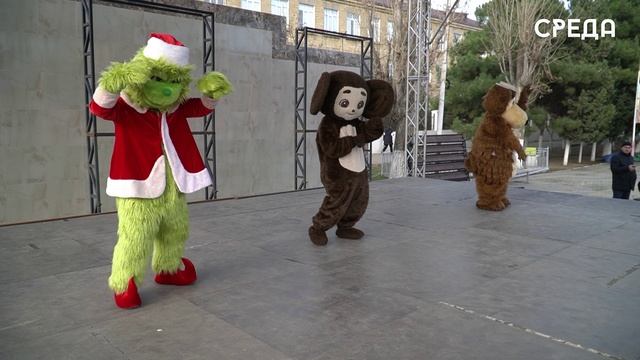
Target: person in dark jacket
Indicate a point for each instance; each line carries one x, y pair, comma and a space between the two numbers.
388, 139
623, 172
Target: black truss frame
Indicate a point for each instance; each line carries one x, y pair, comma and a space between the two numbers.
300, 100
208, 62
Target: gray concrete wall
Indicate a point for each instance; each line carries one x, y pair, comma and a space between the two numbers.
42, 144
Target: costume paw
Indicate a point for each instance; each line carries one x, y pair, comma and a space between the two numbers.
215, 85
317, 236
186, 276
506, 202
349, 233
129, 299
120, 75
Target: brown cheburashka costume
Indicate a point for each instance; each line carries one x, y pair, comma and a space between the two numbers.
490, 158
343, 97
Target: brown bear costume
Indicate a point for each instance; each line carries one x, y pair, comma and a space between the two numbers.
490, 158
343, 97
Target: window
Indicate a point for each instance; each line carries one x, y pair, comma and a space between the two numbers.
353, 24
331, 19
281, 8
218, 2
456, 37
376, 30
306, 15
389, 31
253, 5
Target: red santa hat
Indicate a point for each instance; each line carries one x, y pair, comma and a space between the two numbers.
166, 47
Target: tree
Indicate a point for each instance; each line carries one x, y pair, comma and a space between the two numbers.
595, 80
523, 57
398, 59
540, 119
473, 71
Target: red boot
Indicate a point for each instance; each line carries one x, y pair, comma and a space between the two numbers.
130, 298
182, 277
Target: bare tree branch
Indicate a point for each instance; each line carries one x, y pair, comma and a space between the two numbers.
523, 57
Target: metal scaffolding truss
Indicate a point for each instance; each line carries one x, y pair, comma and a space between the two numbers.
208, 62
419, 40
300, 79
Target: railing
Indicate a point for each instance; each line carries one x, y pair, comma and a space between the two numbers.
537, 161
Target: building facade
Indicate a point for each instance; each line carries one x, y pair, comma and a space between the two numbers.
372, 18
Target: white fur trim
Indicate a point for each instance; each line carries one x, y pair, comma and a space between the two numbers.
150, 188
174, 54
104, 98
130, 102
187, 182
208, 102
353, 161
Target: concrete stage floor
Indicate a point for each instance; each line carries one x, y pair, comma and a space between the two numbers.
553, 277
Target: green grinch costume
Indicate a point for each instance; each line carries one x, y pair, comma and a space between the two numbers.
155, 160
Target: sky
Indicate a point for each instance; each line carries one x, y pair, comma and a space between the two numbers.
468, 6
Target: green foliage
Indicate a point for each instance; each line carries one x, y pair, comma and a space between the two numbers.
595, 81
465, 128
589, 116
538, 116
472, 74
592, 90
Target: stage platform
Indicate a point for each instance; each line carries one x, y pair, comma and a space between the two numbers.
555, 276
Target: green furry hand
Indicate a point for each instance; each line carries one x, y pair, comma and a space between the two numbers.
215, 85
118, 76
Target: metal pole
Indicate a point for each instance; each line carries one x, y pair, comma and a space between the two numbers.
209, 121
636, 109
304, 103
427, 113
443, 77
90, 119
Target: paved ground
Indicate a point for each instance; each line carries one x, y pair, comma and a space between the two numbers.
590, 180
553, 277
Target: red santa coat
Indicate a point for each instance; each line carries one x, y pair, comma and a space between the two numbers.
141, 138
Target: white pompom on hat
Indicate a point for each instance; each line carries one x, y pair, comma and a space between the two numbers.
168, 48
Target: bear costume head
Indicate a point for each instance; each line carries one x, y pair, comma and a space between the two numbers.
502, 104
491, 156
348, 96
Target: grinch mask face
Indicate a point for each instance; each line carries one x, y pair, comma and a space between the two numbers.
166, 86
161, 94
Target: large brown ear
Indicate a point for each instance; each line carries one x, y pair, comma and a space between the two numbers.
381, 99
524, 97
317, 100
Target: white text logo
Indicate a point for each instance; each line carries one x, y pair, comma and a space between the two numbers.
589, 28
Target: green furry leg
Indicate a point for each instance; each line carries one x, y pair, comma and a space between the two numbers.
143, 224
138, 225
174, 231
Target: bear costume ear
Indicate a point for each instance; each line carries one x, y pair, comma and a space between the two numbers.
319, 95
497, 99
524, 97
380, 100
